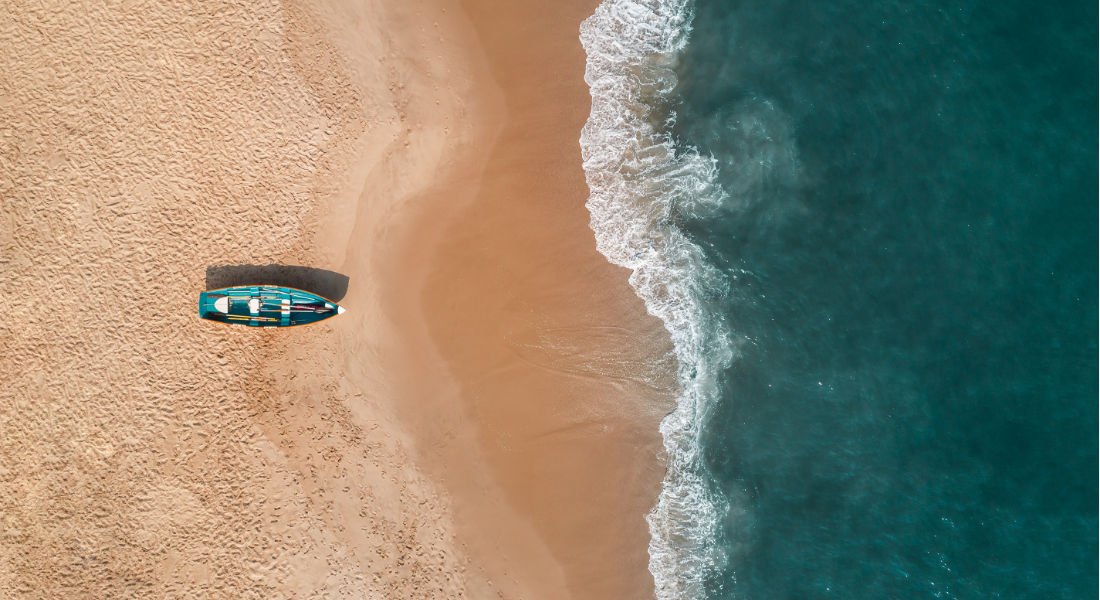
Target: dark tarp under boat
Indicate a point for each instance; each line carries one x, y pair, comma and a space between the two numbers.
265, 306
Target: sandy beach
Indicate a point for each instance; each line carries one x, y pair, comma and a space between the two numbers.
482, 423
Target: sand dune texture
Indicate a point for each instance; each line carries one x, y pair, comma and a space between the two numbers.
144, 453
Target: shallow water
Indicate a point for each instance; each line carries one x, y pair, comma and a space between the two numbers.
871, 229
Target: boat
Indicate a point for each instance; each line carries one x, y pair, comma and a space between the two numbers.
265, 306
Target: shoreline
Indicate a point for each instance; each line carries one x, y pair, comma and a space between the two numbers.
564, 373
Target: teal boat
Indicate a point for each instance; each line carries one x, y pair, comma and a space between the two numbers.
265, 306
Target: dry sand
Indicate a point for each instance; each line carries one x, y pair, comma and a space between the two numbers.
481, 423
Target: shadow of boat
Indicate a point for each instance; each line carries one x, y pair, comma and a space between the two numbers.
325, 283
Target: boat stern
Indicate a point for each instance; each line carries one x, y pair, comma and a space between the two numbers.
206, 304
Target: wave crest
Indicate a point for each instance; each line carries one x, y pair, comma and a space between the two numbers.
639, 182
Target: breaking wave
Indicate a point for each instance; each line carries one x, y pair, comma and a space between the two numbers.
641, 183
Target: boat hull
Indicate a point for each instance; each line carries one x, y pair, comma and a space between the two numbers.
265, 306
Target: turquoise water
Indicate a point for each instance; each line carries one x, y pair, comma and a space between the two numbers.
871, 229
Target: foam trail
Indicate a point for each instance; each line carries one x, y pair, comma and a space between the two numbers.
639, 183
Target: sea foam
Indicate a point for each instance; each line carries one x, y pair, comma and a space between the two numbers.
640, 184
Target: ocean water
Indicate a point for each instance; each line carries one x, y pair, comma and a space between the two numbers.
870, 228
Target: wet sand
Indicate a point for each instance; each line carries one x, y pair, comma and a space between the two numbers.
483, 419
559, 365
